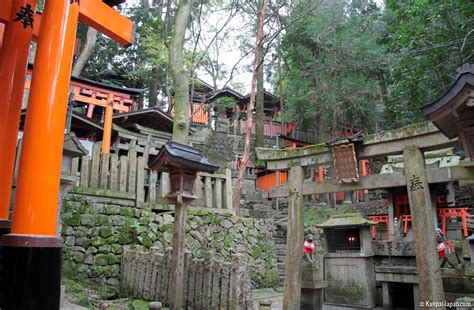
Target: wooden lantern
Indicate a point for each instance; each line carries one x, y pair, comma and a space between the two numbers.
183, 163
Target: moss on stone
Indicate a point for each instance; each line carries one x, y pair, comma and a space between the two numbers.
72, 220
77, 293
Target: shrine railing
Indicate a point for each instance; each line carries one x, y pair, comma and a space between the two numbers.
129, 177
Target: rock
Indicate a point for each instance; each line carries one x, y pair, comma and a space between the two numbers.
78, 257
89, 260
168, 218
97, 241
83, 242
155, 305
197, 235
69, 241
91, 250
79, 249
168, 237
104, 248
234, 219
68, 231
81, 231
116, 248
87, 220
227, 224
105, 231
113, 281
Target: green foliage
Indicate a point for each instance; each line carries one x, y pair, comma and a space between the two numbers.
76, 293
327, 82
429, 40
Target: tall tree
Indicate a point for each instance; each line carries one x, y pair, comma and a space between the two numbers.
179, 74
327, 80
259, 102
180, 135
246, 155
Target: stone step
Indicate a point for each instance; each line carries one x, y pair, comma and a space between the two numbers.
280, 247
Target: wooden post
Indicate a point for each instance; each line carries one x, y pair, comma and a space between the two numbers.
107, 133
13, 63
84, 182
104, 170
208, 192
198, 188
140, 196
177, 261
152, 186
114, 161
429, 273
165, 184
228, 189
294, 240
123, 173
95, 164
218, 193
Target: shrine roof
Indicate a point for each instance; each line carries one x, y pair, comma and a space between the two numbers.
269, 100
72, 146
224, 92
346, 220
118, 88
153, 118
183, 155
456, 105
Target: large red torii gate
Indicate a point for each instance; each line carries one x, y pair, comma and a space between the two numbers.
32, 250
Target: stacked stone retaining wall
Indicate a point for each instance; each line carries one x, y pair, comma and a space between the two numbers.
95, 229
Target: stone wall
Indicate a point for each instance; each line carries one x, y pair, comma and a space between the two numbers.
95, 229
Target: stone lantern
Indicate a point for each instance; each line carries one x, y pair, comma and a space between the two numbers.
182, 162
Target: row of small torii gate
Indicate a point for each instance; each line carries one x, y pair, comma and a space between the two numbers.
31, 250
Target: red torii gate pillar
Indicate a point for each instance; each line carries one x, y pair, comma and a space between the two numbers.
13, 64
31, 272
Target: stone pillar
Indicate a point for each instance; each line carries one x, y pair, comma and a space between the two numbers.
347, 197
391, 216
294, 240
387, 298
433, 207
416, 297
429, 273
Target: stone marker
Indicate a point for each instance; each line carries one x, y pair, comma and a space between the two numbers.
429, 273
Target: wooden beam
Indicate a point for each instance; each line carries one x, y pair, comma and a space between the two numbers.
375, 181
94, 13
106, 20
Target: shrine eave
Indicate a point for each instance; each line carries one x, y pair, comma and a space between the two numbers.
455, 106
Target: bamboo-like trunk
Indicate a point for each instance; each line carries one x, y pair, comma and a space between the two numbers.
250, 108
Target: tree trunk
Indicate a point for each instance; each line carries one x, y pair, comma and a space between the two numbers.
259, 134
91, 39
152, 98
178, 73
180, 135
250, 108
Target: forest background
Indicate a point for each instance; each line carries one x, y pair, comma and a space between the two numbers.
365, 64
